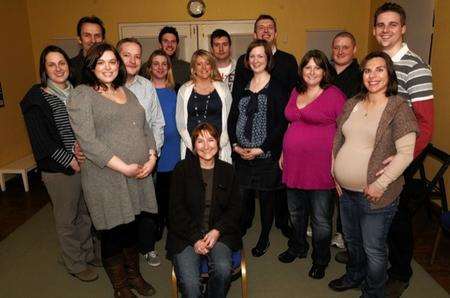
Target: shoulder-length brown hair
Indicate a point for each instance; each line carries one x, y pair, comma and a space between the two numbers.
392, 87
215, 75
267, 51
321, 60
90, 62
170, 82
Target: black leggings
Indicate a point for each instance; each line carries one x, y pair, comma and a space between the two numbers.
116, 239
266, 206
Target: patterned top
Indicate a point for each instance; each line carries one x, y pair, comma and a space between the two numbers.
413, 75
259, 125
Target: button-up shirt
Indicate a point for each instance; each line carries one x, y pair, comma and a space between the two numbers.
146, 94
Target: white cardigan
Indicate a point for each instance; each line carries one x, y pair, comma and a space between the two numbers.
181, 118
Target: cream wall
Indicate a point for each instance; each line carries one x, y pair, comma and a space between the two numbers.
58, 18
16, 76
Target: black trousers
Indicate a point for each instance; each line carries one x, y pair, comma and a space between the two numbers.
116, 239
400, 237
162, 189
146, 232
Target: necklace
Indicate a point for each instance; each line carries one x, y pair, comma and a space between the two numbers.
197, 101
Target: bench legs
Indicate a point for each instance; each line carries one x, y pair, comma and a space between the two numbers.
25, 180
2, 182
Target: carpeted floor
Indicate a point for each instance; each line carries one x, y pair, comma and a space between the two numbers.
28, 268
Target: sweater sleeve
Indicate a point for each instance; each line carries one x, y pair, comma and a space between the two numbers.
181, 119
156, 118
278, 122
405, 148
42, 143
424, 111
79, 107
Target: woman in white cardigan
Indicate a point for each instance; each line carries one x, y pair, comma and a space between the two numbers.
205, 98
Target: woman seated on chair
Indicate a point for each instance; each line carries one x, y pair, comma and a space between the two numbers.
204, 214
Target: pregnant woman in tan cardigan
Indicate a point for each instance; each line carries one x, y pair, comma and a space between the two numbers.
374, 125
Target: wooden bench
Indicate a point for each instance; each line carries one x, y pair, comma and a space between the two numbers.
20, 167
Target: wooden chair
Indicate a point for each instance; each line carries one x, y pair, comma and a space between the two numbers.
239, 270
423, 191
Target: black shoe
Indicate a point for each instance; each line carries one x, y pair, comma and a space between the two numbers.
287, 231
342, 257
342, 284
317, 271
394, 288
260, 249
289, 257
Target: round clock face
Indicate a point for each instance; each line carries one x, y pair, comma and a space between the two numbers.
196, 8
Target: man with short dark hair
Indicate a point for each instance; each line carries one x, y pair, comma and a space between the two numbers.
415, 84
168, 40
348, 76
90, 30
221, 49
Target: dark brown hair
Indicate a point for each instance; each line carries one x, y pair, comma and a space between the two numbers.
267, 51
322, 61
390, 6
42, 71
91, 20
90, 62
211, 129
392, 87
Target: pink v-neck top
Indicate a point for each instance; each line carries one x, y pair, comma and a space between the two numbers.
308, 141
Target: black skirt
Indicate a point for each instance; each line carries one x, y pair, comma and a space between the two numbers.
258, 174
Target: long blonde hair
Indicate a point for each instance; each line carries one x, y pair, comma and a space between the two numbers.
215, 75
170, 82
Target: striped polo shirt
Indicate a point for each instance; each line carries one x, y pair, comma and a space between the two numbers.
413, 75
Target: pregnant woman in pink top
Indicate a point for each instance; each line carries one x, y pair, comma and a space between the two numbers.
306, 160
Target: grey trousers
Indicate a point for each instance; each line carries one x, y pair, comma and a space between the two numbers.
72, 220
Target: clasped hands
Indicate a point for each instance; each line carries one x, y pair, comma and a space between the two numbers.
137, 171
248, 153
204, 245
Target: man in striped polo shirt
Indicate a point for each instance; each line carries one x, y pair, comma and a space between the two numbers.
415, 84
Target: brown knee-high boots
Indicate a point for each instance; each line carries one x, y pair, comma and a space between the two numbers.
115, 268
135, 280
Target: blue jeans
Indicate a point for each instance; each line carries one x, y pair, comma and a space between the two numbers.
319, 205
187, 269
365, 233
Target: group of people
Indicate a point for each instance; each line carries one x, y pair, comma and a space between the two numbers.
221, 133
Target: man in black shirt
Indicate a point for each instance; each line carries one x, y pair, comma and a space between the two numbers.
285, 68
90, 30
348, 74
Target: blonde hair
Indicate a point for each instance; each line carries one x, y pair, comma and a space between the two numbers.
170, 81
215, 75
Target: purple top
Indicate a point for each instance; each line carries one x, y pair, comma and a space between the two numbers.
308, 141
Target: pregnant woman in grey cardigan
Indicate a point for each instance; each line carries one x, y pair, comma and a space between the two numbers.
110, 126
